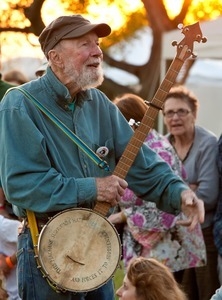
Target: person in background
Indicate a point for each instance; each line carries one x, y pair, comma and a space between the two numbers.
147, 230
15, 77
43, 171
8, 247
149, 279
4, 207
218, 216
42, 68
197, 149
4, 86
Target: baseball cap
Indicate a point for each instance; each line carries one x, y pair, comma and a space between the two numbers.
68, 27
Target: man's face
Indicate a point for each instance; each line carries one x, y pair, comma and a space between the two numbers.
82, 59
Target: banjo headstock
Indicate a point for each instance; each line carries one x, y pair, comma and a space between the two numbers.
192, 34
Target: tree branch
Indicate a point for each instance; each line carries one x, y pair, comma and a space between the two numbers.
33, 13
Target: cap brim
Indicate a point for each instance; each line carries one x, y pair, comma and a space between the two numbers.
101, 30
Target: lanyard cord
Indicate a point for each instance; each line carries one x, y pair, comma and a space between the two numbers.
97, 160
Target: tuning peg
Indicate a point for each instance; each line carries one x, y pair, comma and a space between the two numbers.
180, 26
174, 43
193, 55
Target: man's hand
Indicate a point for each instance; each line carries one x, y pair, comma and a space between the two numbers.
110, 189
193, 209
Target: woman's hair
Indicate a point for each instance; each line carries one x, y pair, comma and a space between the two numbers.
153, 280
131, 106
181, 92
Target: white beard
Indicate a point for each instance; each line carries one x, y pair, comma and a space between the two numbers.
88, 77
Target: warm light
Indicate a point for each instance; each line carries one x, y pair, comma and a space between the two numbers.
173, 7
4, 5
52, 9
111, 12
107, 16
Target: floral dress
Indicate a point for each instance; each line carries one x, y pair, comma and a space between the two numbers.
150, 232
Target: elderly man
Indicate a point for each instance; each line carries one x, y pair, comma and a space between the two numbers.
43, 171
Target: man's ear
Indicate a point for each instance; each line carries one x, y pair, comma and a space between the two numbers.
55, 58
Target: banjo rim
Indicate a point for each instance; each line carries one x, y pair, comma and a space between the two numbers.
42, 261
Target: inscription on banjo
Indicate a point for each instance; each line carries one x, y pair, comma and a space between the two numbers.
105, 235
79, 249
51, 259
93, 276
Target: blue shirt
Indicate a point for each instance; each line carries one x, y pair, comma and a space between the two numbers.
44, 171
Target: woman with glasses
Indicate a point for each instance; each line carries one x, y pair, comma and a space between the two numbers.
197, 149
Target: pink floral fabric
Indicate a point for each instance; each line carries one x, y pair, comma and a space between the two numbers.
150, 232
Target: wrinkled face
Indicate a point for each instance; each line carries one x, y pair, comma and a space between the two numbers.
178, 117
127, 291
82, 59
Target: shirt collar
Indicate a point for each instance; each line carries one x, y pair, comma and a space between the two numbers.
61, 93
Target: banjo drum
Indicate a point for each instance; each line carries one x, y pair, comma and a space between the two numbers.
79, 250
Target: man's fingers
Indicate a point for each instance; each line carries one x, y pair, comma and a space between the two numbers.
110, 189
201, 209
123, 183
189, 222
193, 208
186, 222
198, 212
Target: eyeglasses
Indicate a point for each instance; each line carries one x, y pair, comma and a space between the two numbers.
180, 113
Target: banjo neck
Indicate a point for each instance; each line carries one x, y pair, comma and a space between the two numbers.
184, 50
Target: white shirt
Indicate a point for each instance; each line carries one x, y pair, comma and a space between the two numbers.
8, 246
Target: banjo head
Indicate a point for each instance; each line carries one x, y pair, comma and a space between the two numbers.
78, 250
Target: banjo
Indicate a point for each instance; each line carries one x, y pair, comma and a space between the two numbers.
78, 250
